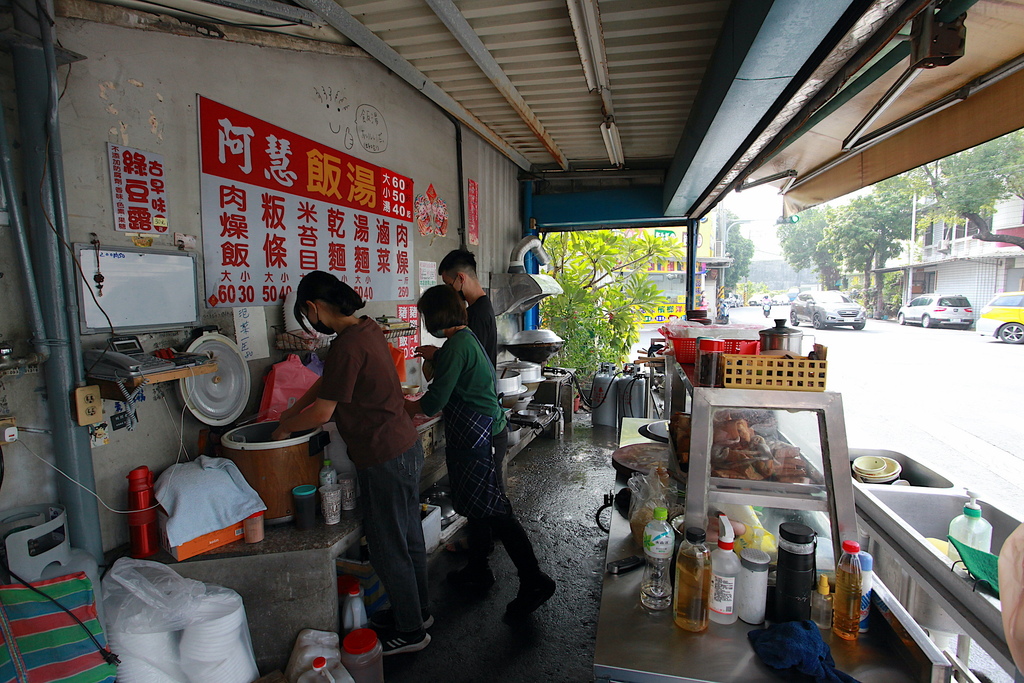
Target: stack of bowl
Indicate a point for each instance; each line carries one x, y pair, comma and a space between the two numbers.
874, 469
509, 389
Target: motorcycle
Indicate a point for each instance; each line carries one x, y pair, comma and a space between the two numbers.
766, 308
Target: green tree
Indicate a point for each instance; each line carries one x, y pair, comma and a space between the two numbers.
966, 186
742, 251
804, 246
866, 233
606, 292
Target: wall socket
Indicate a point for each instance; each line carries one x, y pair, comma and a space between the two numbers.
88, 405
8, 431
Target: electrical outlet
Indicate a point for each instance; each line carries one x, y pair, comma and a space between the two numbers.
8, 431
88, 405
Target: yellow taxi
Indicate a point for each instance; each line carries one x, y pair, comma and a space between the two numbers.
1003, 317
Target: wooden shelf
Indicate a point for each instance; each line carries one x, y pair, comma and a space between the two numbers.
109, 389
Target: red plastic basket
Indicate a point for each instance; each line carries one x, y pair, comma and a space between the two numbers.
685, 348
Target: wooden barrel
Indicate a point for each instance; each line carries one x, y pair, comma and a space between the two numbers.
274, 468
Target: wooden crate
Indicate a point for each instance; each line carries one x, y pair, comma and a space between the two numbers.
773, 372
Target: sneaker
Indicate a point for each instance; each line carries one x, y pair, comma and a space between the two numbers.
474, 579
531, 595
384, 619
395, 642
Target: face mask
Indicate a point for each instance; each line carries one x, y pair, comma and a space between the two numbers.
438, 333
321, 328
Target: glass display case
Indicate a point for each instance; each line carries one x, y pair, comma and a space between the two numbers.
771, 450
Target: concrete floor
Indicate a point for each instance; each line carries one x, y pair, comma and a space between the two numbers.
555, 487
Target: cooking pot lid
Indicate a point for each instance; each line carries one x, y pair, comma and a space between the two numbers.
536, 337
219, 397
780, 330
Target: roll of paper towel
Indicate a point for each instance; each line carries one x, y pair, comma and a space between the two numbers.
290, 323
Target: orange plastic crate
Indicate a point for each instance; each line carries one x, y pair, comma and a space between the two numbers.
685, 348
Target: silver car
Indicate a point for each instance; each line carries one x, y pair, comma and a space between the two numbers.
826, 309
933, 310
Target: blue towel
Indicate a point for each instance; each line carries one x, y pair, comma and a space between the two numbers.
797, 645
203, 496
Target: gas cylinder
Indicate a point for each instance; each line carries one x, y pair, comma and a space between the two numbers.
630, 390
142, 521
602, 400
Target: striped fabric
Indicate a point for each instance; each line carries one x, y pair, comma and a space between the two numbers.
40, 643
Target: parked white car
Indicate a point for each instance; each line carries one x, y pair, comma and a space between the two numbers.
933, 310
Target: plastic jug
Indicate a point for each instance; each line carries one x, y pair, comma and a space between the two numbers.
326, 672
309, 645
354, 611
363, 656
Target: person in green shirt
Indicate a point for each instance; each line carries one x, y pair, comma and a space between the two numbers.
463, 389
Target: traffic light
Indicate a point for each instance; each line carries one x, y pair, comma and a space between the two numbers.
782, 220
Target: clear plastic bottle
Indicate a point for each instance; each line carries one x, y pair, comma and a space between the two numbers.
362, 656
725, 567
846, 603
970, 528
659, 541
693, 582
327, 474
821, 604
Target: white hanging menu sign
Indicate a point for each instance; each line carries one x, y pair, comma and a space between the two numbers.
251, 332
276, 205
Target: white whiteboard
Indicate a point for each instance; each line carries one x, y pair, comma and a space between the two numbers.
143, 290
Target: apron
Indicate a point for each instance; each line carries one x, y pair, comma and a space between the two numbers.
476, 492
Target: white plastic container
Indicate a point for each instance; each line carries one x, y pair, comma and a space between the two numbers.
970, 528
725, 567
353, 613
432, 527
867, 576
309, 645
363, 656
752, 585
324, 671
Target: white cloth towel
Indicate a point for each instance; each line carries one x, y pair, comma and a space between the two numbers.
203, 496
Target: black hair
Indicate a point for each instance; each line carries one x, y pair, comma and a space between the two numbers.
441, 308
321, 286
458, 261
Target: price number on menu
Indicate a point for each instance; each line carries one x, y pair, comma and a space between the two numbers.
243, 294
365, 293
274, 293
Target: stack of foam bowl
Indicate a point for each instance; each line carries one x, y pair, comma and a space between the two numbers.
216, 649
147, 657
875, 469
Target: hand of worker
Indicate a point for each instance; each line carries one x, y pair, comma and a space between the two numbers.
412, 407
427, 352
280, 434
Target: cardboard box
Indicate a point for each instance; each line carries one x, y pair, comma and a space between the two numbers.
198, 546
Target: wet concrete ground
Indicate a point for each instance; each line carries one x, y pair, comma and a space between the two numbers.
556, 488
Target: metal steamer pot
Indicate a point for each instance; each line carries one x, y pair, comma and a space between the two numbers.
530, 374
782, 338
274, 468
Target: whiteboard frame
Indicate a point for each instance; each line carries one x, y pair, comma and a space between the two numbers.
86, 255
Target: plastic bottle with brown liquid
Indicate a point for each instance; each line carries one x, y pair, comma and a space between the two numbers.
846, 603
693, 582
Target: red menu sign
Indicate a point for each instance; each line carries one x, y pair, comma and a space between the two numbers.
138, 189
276, 205
409, 343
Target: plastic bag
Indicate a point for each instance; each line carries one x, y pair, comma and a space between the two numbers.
169, 629
651, 491
286, 382
314, 364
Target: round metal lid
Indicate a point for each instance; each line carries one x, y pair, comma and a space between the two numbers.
536, 337
219, 397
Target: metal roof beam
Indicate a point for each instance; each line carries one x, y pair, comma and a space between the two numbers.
453, 20
340, 19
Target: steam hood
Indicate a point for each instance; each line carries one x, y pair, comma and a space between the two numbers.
519, 292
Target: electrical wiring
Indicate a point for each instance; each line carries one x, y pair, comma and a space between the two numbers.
81, 486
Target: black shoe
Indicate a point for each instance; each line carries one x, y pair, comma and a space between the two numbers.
395, 642
474, 579
384, 619
532, 594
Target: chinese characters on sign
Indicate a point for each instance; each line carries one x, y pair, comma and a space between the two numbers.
251, 332
408, 344
138, 189
473, 223
276, 205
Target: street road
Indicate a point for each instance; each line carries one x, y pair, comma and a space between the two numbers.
949, 398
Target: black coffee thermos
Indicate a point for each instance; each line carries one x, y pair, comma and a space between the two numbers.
797, 571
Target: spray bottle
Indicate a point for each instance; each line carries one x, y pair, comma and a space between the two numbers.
725, 567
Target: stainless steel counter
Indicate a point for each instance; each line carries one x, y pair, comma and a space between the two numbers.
640, 646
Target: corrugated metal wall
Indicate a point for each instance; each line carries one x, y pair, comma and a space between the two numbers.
500, 223
976, 279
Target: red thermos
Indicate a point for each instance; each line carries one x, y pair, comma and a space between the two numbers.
142, 525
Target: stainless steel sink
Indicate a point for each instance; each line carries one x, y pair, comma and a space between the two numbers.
914, 472
898, 520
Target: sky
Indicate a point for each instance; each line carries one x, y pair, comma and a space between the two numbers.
763, 206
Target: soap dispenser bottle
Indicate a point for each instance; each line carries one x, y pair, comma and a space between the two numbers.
970, 528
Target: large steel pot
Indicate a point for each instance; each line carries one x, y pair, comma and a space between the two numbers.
274, 468
507, 383
782, 338
535, 346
